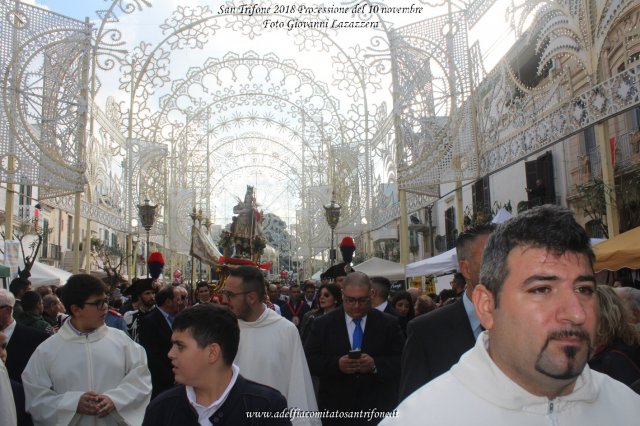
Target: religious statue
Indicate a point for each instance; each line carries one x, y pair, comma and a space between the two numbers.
246, 229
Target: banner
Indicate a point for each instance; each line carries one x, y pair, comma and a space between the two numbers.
12, 256
202, 248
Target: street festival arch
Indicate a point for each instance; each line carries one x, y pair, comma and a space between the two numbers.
356, 141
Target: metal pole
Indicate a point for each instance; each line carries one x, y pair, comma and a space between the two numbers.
147, 251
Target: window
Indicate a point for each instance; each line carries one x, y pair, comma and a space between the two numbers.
450, 227
540, 181
24, 202
45, 238
633, 118
481, 195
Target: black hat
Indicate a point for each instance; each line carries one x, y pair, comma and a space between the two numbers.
139, 287
339, 270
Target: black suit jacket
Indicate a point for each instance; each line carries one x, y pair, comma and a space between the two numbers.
329, 340
24, 418
288, 314
435, 342
401, 320
155, 338
23, 342
173, 408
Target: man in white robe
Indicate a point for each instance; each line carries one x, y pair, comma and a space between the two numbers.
87, 373
270, 350
7, 405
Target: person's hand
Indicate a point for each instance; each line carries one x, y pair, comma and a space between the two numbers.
367, 364
105, 406
87, 404
348, 365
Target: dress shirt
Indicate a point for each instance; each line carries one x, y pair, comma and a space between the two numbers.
381, 307
351, 326
471, 313
8, 331
167, 316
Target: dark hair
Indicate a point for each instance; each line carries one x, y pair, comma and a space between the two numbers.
403, 295
424, 304
30, 300
309, 285
18, 285
164, 294
202, 284
465, 240
446, 294
79, 289
323, 276
210, 323
383, 285
459, 279
335, 291
549, 227
252, 279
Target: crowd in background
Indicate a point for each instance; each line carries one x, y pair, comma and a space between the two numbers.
346, 343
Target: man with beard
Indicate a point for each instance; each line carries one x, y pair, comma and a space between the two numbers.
143, 294
537, 301
296, 307
270, 350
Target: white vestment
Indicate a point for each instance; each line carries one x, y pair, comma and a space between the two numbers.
7, 405
271, 353
67, 364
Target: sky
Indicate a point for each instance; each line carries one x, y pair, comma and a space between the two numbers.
492, 33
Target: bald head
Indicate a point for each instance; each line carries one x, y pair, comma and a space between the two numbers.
357, 279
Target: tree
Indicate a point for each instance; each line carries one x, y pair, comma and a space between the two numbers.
110, 259
277, 236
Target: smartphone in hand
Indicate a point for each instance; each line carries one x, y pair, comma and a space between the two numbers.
355, 354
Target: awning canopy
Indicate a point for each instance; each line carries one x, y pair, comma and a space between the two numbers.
621, 251
437, 265
376, 267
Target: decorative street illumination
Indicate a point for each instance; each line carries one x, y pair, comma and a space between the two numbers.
147, 214
332, 214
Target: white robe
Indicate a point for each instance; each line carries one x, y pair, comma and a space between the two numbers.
67, 365
7, 405
271, 353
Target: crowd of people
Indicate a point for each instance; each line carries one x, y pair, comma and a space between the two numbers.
524, 336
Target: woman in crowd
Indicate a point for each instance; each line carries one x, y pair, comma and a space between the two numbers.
329, 297
424, 304
401, 302
617, 344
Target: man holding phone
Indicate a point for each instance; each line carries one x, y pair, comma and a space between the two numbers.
355, 352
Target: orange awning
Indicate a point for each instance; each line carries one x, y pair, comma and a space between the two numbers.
621, 251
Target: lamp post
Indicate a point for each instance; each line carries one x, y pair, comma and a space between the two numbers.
332, 214
147, 214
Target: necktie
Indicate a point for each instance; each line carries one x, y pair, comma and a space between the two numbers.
170, 318
357, 335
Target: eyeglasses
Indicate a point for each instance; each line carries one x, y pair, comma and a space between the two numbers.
98, 303
354, 300
229, 294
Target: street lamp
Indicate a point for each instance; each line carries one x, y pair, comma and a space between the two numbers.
332, 214
147, 214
